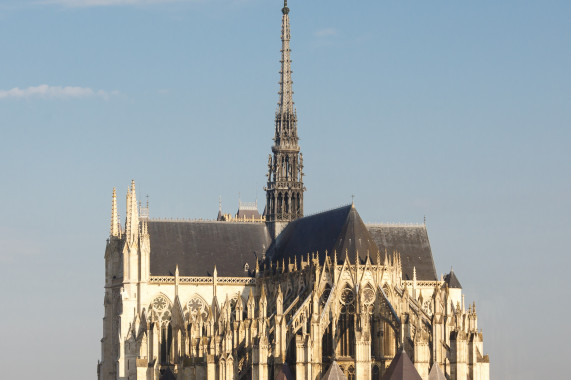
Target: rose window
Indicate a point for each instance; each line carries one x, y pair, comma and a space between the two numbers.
347, 296
368, 296
160, 303
196, 307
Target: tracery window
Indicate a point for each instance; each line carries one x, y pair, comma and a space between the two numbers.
197, 309
160, 313
346, 324
351, 373
325, 295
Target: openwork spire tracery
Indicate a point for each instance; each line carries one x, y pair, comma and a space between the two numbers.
284, 191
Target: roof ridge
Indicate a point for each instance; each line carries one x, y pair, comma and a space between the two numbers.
188, 220
326, 210
394, 224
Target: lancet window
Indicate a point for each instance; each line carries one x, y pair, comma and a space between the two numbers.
162, 337
346, 324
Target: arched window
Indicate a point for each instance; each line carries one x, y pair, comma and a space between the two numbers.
160, 313
351, 373
376, 373
346, 324
327, 347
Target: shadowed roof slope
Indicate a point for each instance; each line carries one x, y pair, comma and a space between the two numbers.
340, 229
401, 368
413, 245
198, 246
452, 280
334, 373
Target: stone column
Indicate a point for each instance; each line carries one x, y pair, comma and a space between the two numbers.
363, 354
458, 353
299, 357
210, 368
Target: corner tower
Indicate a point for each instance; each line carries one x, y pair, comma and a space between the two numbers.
284, 192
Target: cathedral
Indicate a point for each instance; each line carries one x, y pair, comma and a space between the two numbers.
280, 295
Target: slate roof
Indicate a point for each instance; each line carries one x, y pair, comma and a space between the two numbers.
414, 247
452, 280
436, 373
401, 368
340, 229
343, 229
334, 373
196, 246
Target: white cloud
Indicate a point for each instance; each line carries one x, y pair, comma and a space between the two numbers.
45, 91
326, 32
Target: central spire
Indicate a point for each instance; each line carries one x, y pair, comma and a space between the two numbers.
284, 192
285, 104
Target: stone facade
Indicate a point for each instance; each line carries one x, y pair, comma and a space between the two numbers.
325, 289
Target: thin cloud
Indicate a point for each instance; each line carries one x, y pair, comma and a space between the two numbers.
103, 3
327, 32
54, 92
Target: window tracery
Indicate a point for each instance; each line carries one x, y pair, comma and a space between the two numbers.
197, 309
325, 295
346, 324
160, 310
351, 373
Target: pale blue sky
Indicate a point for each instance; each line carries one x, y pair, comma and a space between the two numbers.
460, 111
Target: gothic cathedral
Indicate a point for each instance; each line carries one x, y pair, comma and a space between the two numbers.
280, 295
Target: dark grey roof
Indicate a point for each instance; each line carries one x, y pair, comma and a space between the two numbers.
452, 280
334, 373
338, 230
413, 245
198, 246
401, 368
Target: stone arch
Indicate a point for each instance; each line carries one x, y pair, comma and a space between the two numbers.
389, 324
368, 295
160, 309
196, 309
345, 326
159, 315
324, 293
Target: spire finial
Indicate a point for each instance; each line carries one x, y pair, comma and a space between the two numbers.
286, 101
285, 9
